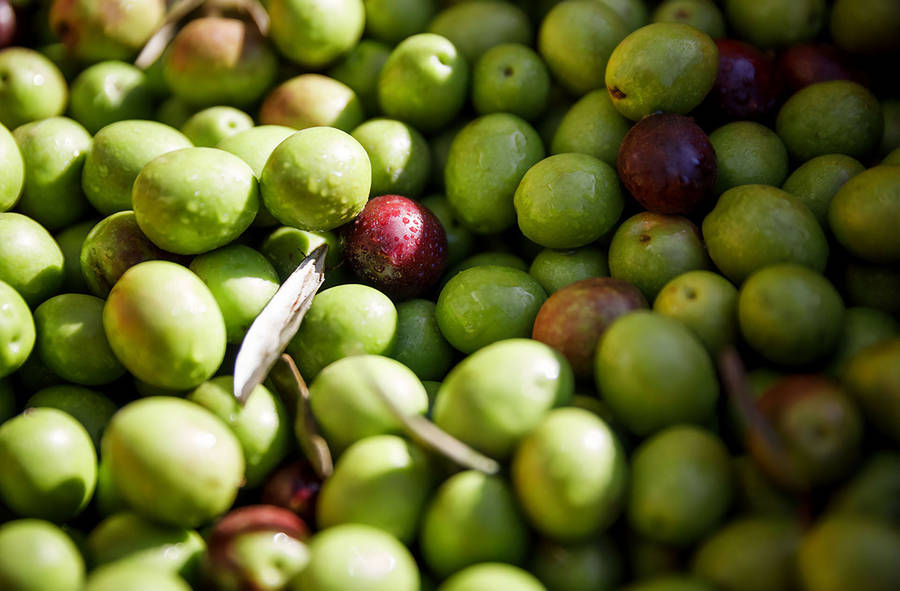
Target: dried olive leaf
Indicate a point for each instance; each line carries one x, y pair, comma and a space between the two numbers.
258, 15
181, 9
277, 324
760, 433
160, 39
292, 387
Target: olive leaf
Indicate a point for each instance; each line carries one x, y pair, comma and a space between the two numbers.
429, 435
182, 9
760, 433
292, 387
277, 324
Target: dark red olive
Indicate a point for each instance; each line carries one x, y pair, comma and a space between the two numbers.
747, 85
667, 163
7, 23
809, 63
232, 565
294, 486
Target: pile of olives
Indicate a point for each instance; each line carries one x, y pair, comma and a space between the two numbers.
611, 295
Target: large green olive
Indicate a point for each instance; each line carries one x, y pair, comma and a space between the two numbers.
173, 461
164, 325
